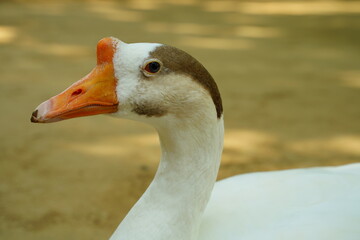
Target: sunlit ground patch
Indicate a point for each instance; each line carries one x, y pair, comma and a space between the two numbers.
112, 11
346, 144
7, 34
245, 145
285, 7
119, 146
181, 28
351, 79
215, 43
257, 32
56, 49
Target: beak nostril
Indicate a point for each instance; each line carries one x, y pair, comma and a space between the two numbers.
77, 92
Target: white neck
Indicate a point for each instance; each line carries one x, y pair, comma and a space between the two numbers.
172, 206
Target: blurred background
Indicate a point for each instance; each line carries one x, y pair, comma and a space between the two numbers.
288, 71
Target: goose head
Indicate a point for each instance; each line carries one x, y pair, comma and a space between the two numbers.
147, 82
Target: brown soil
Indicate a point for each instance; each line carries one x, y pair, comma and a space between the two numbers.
289, 76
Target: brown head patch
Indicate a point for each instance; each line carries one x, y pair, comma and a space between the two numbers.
181, 62
149, 110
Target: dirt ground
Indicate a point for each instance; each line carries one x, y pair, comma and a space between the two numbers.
289, 74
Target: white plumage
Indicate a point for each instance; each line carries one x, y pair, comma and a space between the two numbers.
312, 203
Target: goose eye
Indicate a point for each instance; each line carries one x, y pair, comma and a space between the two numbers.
153, 67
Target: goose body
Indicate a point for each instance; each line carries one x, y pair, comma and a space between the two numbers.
311, 203
168, 89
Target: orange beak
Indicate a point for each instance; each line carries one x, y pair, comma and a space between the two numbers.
93, 94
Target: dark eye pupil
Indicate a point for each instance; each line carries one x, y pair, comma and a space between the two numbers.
154, 67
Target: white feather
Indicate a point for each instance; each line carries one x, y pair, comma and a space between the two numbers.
313, 203
128, 59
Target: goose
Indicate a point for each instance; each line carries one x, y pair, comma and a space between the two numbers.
167, 88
